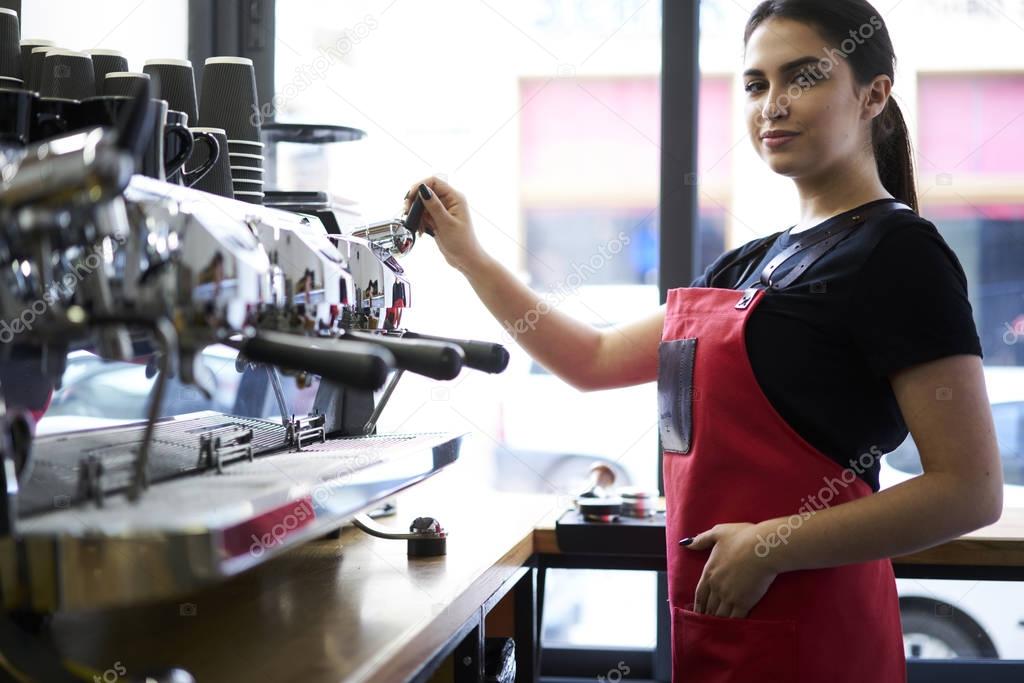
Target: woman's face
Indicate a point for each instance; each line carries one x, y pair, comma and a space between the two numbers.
815, 98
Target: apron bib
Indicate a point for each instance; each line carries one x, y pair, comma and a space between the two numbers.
730, 457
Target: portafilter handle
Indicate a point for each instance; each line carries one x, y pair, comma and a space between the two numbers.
480, 355
433, 359
413, 219
360, 365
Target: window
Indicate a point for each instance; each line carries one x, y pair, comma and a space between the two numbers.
125, 25
970, 185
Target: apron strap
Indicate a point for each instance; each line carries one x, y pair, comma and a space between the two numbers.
752, 258
813, 249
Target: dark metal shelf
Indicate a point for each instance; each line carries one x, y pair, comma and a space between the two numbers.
309, 133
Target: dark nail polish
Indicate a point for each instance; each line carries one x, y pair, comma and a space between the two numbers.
424, 191
686, 541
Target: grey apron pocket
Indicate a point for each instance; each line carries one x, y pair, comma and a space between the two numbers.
675, 393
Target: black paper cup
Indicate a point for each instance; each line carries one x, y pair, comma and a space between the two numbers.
124, 83
10, 44
248, 146
12, 5
67, 74
229, 99
8, 83
105, 62
26, 57
246, 173
244, 159
174, 81
35, 73
250, 197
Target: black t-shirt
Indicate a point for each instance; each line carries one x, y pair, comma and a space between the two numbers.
891, 294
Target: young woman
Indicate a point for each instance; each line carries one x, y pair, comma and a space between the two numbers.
788, 368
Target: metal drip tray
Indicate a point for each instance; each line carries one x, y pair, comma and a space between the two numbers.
190, 530
174, 452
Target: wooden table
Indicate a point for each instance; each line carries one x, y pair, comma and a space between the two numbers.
359, 610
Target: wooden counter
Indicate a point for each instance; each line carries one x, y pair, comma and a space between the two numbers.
998, 545
351, 610
359, 610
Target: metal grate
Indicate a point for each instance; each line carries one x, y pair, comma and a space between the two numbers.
174, 452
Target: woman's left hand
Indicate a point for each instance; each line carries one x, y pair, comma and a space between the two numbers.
735, 577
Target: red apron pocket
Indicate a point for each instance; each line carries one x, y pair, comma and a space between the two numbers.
710, 649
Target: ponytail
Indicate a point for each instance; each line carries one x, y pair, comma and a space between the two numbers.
894, 155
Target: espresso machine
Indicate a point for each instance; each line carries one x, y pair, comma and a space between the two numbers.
96, 259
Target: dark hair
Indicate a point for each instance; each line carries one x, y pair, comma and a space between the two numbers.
838, 21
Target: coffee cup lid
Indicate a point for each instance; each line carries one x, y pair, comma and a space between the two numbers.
105, 53
245, 61
208, 130
126, 74
66, 53
41, 42
5, 10
168, 62
43, 48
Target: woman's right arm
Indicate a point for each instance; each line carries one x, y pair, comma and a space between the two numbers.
584, 356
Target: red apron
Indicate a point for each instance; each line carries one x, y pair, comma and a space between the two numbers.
730, 457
